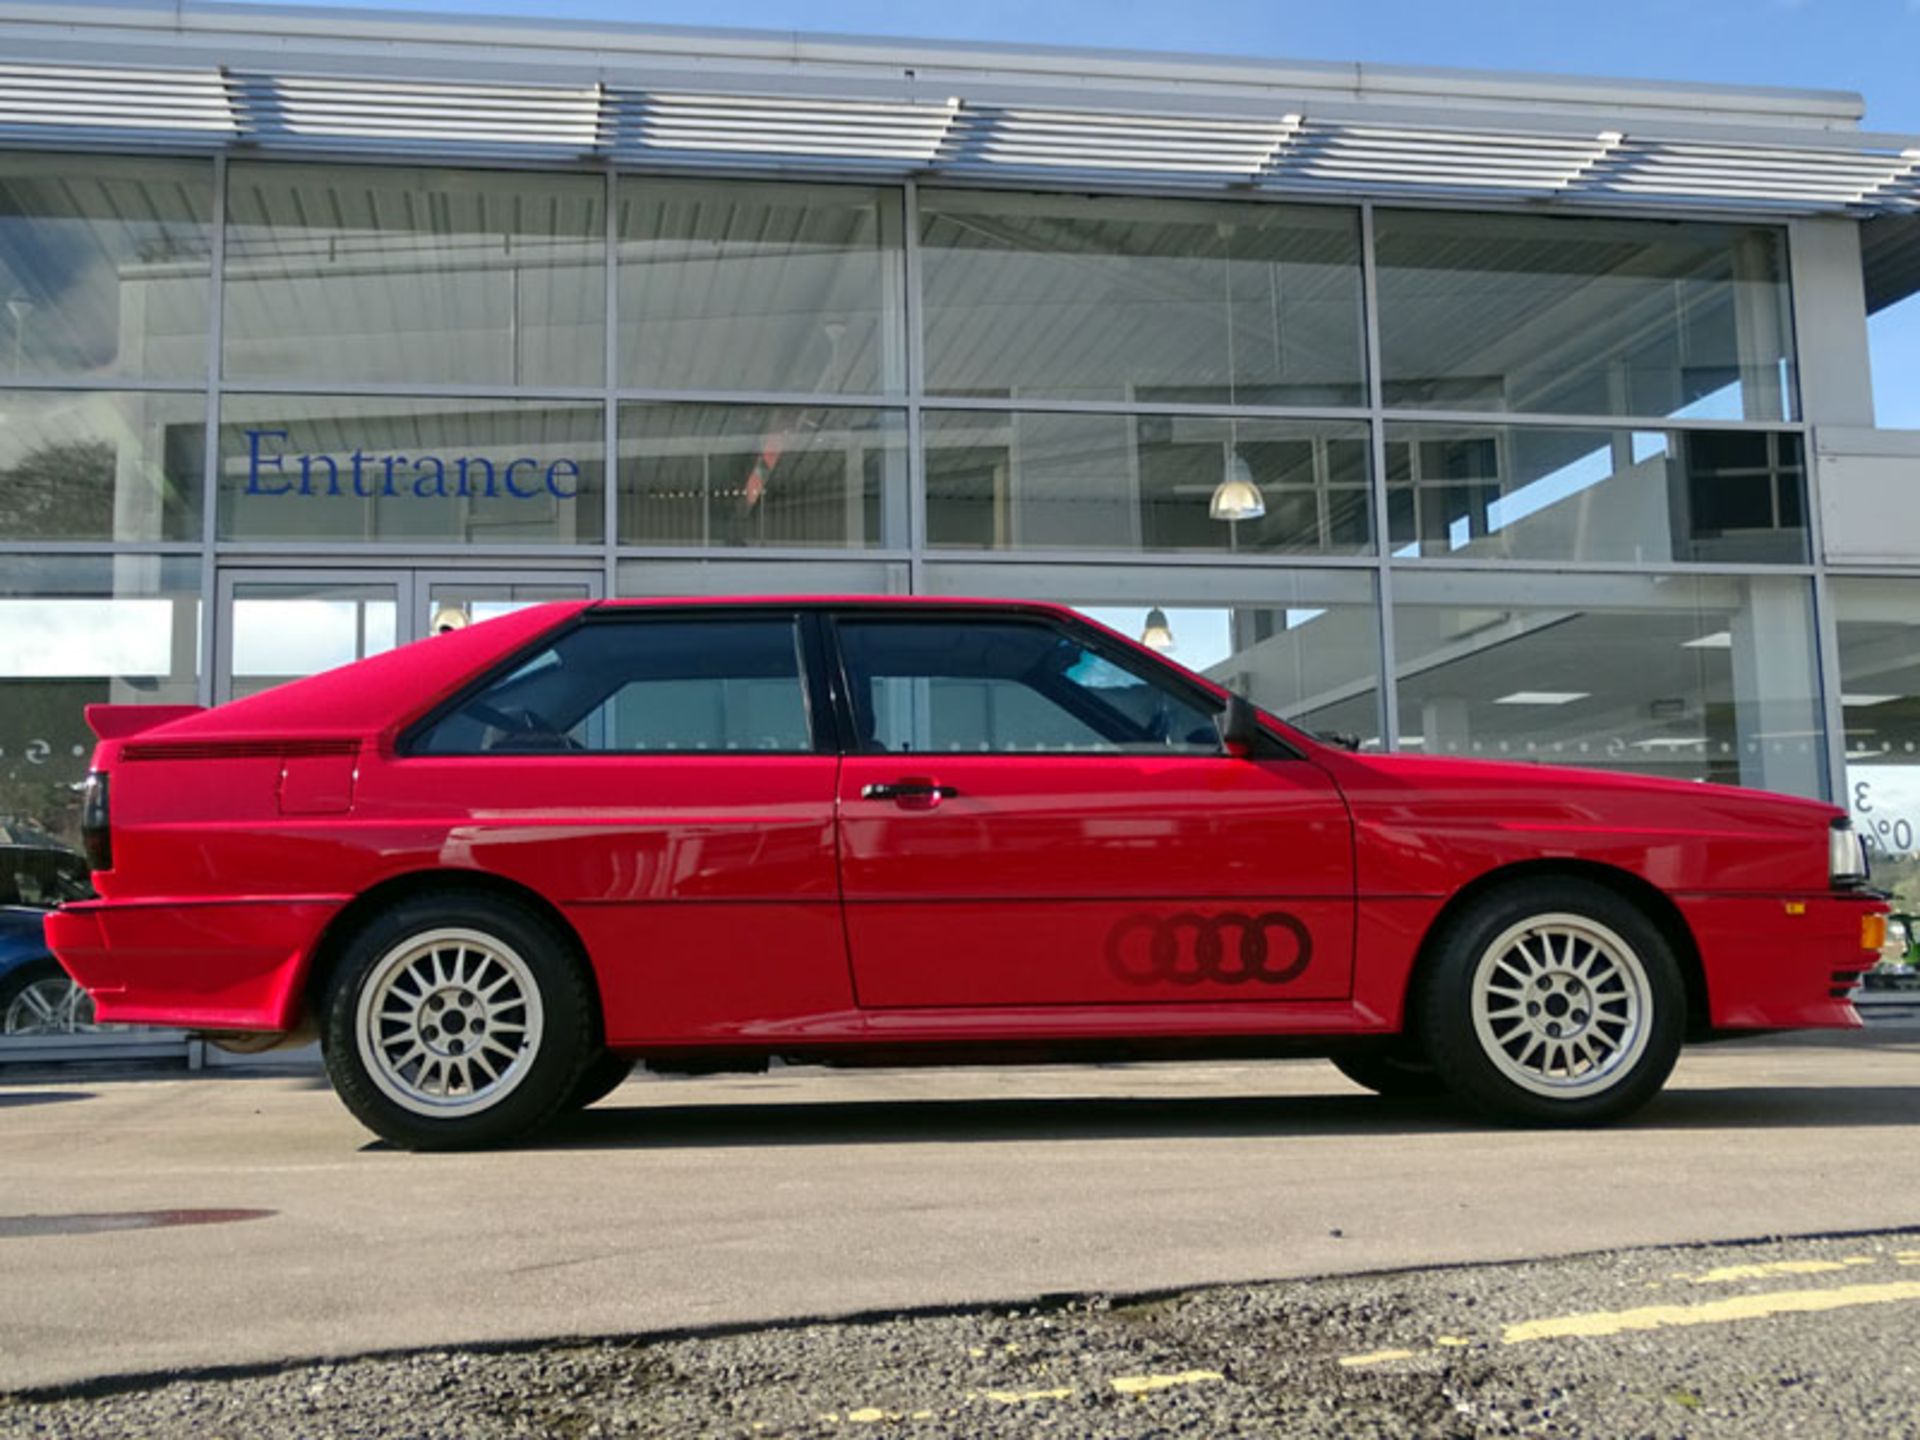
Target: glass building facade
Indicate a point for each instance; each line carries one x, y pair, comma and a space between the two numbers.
1467, 483
258, 417
1513, 427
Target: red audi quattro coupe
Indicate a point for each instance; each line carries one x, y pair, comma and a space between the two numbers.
496, 868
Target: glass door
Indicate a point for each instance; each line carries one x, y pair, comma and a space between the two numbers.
279, 625
446, 600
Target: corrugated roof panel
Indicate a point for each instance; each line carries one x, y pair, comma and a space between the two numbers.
1329, 156
343, 112
40, 101
1817, 179
1177, 145
1832, 171
681, 127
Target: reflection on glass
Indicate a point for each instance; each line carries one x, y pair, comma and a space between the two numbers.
100, 465
284, 630
761, 577
762, 475
1584, 316
350, 274
79, 630
1532, 492
1303, 644
1156, 301
1878, 622
727, 285
341, 467
1698, 677
455, 604
103, 266
1146, 482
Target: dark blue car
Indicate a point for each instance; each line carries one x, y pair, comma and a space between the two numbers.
36, 995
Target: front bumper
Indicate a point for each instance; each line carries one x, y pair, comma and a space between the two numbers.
1783, 963
193, 964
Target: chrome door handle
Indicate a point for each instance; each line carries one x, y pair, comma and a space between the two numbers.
909, 790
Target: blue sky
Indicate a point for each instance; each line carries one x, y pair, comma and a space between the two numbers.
1869, 46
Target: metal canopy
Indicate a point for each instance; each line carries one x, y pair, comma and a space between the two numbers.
822, 120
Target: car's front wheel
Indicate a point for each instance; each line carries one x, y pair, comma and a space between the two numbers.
1556, 1001
456, 1022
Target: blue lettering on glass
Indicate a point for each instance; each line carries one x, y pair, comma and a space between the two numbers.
426, 477
256, 462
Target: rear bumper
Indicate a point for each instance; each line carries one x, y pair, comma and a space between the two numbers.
193, 964
1781, 963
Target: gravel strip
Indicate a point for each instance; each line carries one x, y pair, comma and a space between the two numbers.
1438, 1352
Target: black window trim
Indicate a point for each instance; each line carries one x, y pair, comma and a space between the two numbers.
823, 726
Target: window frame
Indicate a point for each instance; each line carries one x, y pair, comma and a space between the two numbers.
822, 732
1150, 669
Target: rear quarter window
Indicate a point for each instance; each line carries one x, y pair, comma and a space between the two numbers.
639, 687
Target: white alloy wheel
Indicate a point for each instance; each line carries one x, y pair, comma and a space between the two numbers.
53, 1006
1562, 1006
449, 1022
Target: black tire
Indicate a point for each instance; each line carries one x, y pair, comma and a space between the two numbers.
1485, 1059
546, 1039
603, 1076
22, 978
1391, 1072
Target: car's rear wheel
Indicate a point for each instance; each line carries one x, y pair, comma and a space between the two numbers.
456, 1022
1555, 1002
42, 999
1395, 1073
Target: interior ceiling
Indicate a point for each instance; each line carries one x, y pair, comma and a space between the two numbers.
1890, 259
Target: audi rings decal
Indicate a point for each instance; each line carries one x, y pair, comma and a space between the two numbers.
1231, 948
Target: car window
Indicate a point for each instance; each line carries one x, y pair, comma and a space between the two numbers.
624, 686
41, 874
1007, 687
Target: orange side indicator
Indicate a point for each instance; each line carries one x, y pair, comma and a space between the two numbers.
1796, 907
1873, 931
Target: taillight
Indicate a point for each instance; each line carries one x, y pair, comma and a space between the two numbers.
96, 830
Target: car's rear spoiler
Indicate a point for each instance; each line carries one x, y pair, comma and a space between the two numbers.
117, 722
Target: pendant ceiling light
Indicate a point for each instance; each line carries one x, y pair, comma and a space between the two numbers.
1237, 497
1158, 634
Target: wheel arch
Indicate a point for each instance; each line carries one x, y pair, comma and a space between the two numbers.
1643, 894
331, 945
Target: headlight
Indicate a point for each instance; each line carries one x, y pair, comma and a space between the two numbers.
1846, 857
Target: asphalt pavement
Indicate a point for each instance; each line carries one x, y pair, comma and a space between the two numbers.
1797, 1337
162, 1224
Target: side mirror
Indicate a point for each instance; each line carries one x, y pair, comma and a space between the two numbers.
1239, 727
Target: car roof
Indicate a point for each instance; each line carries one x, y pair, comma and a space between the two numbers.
382, 691
831, 602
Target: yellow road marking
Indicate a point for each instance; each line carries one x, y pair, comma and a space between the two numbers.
1713, 1312
1907, 1257
1728, 1274
1020, 1397
1141, 1384
1375, 1357
1452, 1342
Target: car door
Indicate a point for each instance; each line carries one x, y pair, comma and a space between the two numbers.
1031, 814
657, 774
